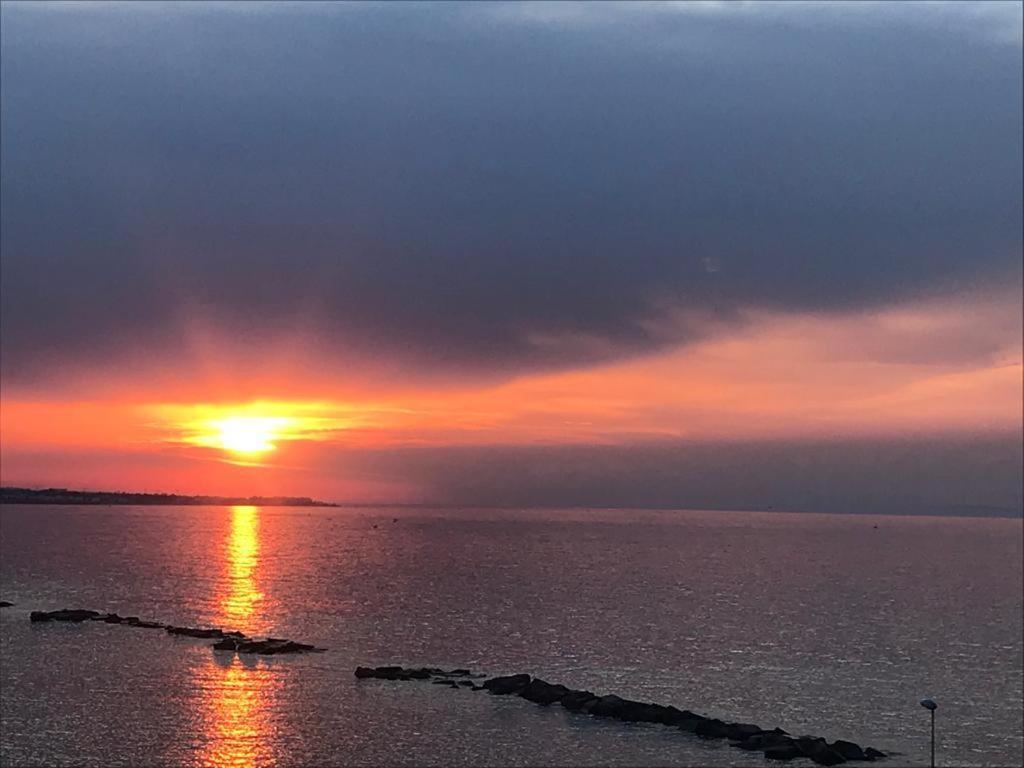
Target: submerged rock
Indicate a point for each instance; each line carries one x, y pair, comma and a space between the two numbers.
763, 741
741, 731
143, 624
848, 749
607, 706
64, 614
195, 632
712, 728
818, 750
401, 673
783, 752
575, 701
269, 647
509, 684
775, 744
541, 692
5, 604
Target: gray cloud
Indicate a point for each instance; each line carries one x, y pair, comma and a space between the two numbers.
449, 186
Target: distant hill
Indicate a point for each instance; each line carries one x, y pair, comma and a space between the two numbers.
10, 495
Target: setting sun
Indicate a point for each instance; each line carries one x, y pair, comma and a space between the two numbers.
249, 434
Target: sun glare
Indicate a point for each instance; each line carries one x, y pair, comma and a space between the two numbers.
249, 434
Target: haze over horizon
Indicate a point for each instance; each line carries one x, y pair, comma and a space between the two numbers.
667, 255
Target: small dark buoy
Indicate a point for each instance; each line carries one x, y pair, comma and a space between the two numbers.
875, 527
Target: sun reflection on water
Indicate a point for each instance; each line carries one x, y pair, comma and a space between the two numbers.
238, 697
242, 551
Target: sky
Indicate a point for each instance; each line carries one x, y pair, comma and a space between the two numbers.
718, 255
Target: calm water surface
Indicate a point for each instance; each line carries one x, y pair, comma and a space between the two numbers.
815, 623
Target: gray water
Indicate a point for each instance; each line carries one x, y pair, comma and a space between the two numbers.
822, 624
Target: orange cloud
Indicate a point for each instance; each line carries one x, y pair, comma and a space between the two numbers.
926, 368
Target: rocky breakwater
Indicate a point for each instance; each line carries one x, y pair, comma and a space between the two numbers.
775, 744
226, 640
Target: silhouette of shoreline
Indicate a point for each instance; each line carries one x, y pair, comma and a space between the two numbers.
12, 495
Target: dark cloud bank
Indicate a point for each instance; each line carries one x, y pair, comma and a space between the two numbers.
475, 190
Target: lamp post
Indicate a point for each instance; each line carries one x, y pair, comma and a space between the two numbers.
931, 706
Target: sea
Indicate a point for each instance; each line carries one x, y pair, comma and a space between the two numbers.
830, 625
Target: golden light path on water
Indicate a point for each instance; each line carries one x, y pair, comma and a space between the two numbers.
239, 694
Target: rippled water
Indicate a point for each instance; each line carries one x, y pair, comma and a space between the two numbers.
815, 623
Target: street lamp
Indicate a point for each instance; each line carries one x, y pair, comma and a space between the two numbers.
931, 706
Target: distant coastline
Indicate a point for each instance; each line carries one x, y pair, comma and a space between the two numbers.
12, 495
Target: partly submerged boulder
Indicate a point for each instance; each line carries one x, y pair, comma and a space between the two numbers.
786, 751
507, 684
575, 701
818, 750
541, 692
741, 731
64, 614
607, 706
763, 741
848, 749
5, 604
712, 728
195, 632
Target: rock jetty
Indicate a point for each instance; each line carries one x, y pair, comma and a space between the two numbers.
774, 744
226, 640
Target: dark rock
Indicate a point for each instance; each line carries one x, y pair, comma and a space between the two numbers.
236, 633
477, 687
690, 723
607, 706
364, 672
459, 673
574, 701
64, 614
5, 604
419, 674
467, 684
712, 728
870, 753
763, 741
195, 632
818, 750
540, 692
505, 685
110, 618
147, 624
390, 673
848, 749
272, 646
673, 716
231, 644
641, 712
783, 752
742, 731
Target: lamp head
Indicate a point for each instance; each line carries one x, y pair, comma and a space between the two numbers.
929, 704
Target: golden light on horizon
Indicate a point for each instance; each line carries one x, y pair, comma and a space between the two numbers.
250, 435
248, 432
